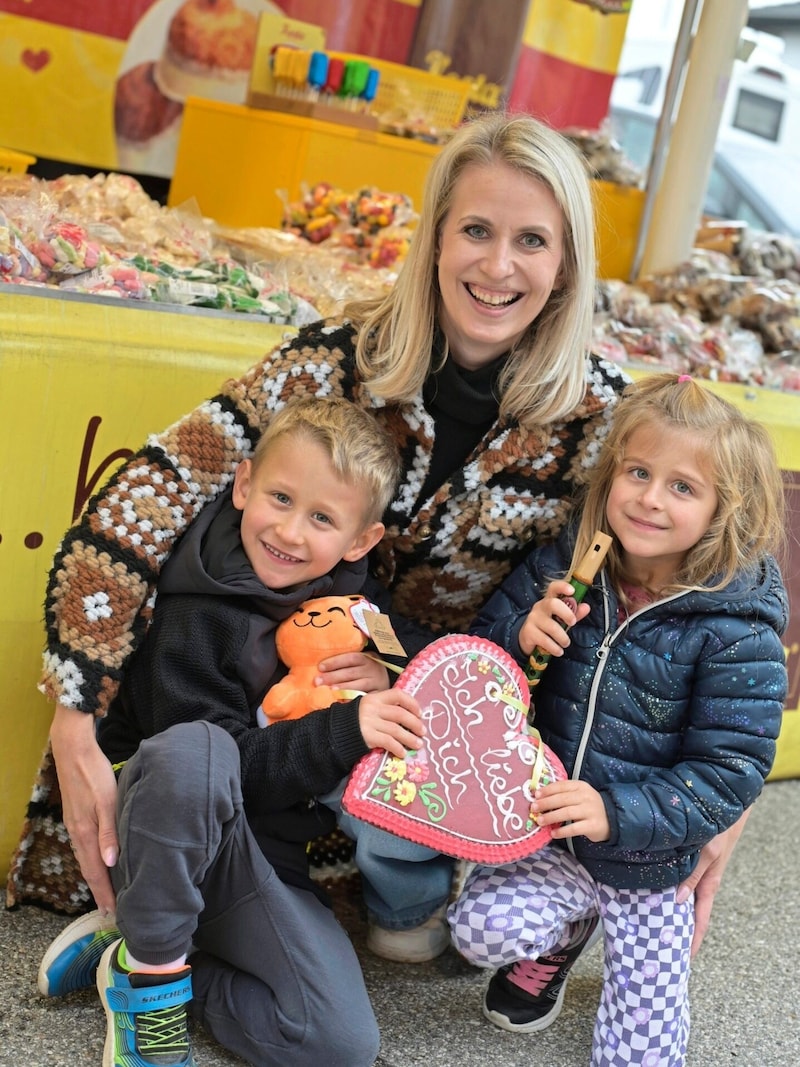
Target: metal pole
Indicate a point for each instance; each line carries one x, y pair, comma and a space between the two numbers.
672, 91
678, 200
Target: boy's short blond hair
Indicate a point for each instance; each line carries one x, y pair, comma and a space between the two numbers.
361, 451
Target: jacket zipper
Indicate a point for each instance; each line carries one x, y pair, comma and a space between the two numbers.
611, 635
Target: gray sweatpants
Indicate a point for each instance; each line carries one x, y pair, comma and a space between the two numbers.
274, 974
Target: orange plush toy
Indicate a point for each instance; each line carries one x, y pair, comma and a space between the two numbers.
319, 628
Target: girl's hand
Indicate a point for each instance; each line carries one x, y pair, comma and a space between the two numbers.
391, 720
545, 625
576, 804
353, 670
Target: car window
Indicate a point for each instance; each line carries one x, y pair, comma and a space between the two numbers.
729, 195
724, 200
635, 134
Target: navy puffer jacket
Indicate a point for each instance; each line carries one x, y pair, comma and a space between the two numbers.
671, 714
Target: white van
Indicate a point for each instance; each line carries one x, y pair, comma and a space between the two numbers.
756, 169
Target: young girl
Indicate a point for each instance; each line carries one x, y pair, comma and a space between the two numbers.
664, 705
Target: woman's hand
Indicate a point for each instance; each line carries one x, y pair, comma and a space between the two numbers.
705, 879
88, 798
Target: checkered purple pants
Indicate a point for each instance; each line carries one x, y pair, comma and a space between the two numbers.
526, 909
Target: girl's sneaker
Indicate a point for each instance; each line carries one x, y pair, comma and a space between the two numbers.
527, 996
70, 962
145, 1014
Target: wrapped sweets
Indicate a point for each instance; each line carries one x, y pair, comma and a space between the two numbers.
117, 279
66, 248
16, 259
220, 284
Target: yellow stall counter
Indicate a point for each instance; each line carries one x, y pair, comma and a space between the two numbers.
84, 383
235, 161
241, 165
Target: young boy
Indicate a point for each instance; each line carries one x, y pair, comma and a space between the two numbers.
214, 813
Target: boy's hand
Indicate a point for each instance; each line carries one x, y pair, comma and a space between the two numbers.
544, 626
353, 670
576, 804
391, 720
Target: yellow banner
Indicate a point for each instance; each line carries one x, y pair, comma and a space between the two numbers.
576, 34
62, 100
83, 385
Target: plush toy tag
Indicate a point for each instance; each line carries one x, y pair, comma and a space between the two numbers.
467, 791
380, 629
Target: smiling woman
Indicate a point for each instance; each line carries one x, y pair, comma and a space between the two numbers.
500, 253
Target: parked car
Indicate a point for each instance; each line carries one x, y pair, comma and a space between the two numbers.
756, 166
743, 184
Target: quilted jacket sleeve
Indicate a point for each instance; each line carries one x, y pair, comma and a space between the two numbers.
502, 616
727, 747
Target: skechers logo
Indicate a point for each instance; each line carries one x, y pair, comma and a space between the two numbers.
171, 994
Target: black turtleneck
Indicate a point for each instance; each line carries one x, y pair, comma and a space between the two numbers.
463, 406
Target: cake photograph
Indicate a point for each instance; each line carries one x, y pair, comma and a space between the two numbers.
180, 48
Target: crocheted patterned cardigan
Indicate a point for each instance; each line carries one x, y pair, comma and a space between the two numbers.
440, 558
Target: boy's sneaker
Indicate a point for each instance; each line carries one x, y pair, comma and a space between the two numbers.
527, 996
145, 1014
419, 944
70, 962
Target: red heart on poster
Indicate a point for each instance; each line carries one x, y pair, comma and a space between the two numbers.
35, 60
467, 791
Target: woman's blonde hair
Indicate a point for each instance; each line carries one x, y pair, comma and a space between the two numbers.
544, 378
361, 451
749, 520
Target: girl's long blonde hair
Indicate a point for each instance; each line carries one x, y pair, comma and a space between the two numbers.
749, 520
544, 378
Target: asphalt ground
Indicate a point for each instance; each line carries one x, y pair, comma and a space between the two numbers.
745, 984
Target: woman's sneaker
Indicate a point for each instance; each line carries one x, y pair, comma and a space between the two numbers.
70, 962
527, 996
145, 1014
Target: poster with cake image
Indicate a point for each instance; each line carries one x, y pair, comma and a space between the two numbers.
180, 48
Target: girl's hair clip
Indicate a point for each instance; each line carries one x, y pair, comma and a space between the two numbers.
685, 378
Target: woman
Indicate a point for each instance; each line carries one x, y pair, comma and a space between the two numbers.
477, 363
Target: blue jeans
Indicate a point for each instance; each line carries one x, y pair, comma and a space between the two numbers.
403, 883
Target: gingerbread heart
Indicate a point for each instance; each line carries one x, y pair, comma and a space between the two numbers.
467, 791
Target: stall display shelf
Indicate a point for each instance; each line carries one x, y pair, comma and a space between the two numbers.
12, 162
241, 164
